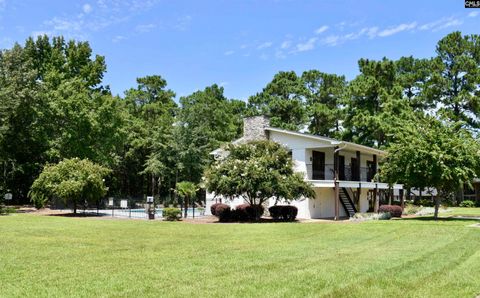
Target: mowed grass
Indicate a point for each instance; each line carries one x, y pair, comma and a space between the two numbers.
44, 256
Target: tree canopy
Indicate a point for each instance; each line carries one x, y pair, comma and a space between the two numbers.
73, 181
257, 171
433, 154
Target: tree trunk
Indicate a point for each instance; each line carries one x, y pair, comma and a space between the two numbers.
74, 206
153, 186
437, 205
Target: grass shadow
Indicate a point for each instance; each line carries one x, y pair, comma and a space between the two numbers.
450, 218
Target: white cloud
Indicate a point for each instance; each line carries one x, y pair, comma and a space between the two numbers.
372, 32
473, 14
264, 56
397, 29
64, 24
451, 23
280, 54
331, 40
87, 8
118, 38
183, 23
286, 44
306, 46
145, 28
441, 24
36, 34
321, 29
228, 53
265, 45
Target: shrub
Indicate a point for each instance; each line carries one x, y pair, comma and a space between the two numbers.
426, 202
370, 216
394, 210
223, 212
212, 208
285, 213
172, 214
411, 209
6, 210
247, 212
467, 204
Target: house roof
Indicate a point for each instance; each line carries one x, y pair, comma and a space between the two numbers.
333, 142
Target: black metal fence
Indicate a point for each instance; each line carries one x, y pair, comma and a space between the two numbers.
136, 208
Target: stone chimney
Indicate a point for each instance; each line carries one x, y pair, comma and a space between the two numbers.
254, 128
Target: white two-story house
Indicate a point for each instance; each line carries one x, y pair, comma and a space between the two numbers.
341, 173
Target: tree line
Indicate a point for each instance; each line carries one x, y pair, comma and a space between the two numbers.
54, 106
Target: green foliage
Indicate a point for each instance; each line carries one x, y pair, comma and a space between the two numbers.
71, 180
282, 100
411, 209
52, 107
456, 77
257, 171
371, 216
186, 189
432, 153
467, 204
324, 95
172, 214
206, 120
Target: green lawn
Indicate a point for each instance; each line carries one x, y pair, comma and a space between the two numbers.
462, 212
55, 256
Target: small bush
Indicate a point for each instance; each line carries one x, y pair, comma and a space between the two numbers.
223, 212
426, 202
467, 204
212, 208
6, 210
285, 213
247, 212
172, 214
394, 210
370, 216
411, 209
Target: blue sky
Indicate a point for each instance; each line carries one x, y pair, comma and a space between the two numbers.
237, 44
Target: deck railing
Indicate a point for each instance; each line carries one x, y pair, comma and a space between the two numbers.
345, 174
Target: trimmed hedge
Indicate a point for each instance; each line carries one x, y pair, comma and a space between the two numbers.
214, 206
283, 212
172, 214
223, 212
243, 212
247, 212
394, 210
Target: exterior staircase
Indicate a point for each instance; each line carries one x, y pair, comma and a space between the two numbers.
347, 202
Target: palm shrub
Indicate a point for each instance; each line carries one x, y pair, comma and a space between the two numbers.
172, 214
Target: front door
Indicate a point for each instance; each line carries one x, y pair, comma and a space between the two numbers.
318, 165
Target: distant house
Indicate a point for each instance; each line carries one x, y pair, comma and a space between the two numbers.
341, 173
